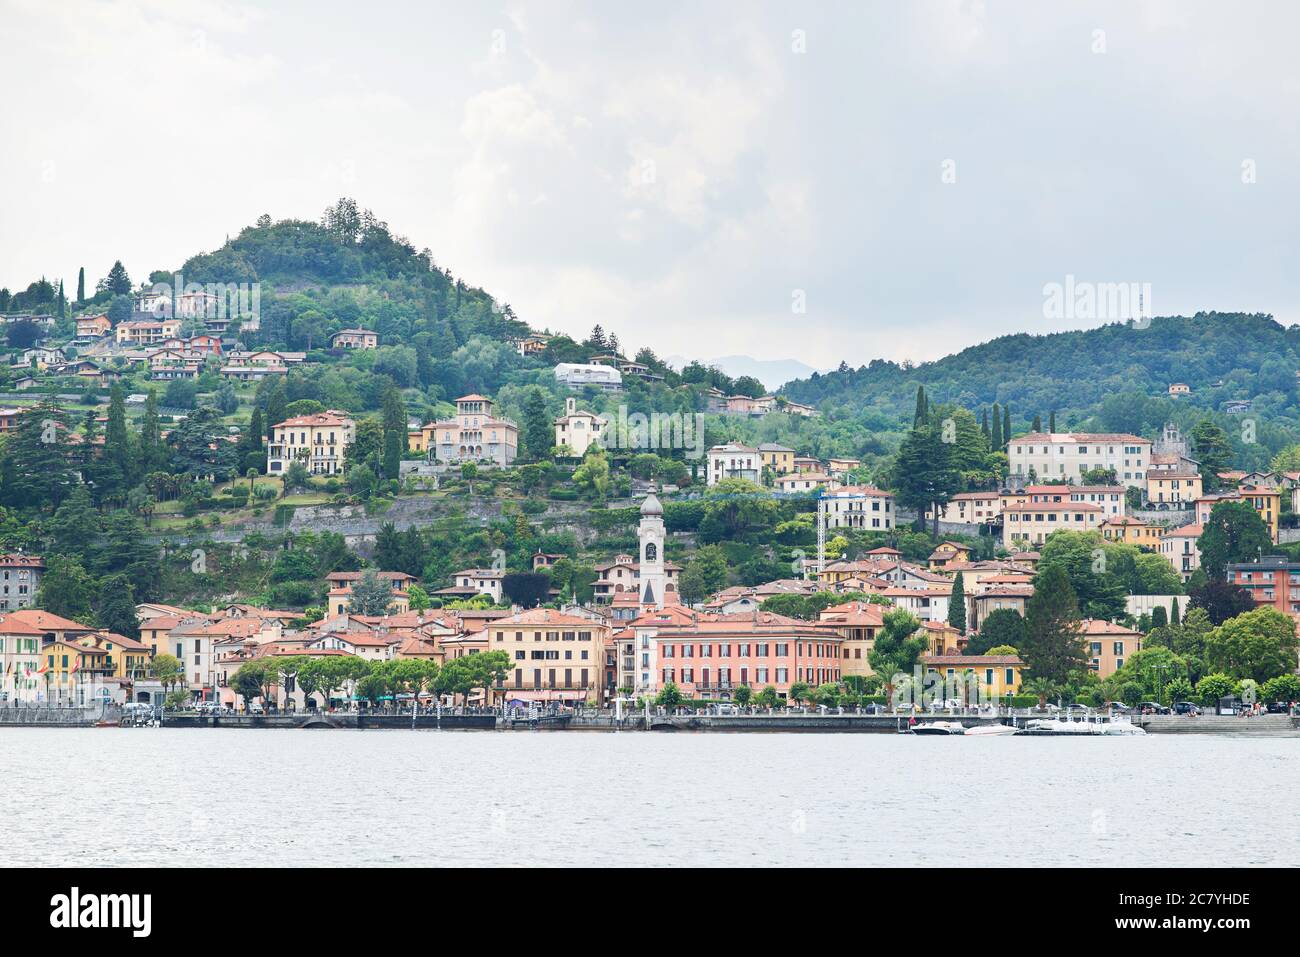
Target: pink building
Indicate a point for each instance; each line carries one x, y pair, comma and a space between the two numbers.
712, 657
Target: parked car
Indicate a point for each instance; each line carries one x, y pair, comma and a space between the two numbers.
1119, 707
1152, 707
1187, 708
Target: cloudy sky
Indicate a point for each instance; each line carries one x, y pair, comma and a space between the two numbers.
685, 174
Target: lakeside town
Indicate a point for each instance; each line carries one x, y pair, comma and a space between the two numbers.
312, 496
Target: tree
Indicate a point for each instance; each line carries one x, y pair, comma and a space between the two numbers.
66, 588
116, 611
924, 472
248, 681
81, 285
899, 645
526, 589
166, 669
1212, 450
1221, 600
1284, 688
920, 418
538, 429
1259, 644
1052, 647
670, 696
394, 427
703, 575
117, 282
1002, 626
1213, 687
742, 694
1233, 533
371, 595
957, 604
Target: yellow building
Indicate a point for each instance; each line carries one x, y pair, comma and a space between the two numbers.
1173, 486
858, 622
1109, 645
69, 668
1264, 500
946, 552
1131, 531
127, 657
777, 458
318, 441
556, 657
996, 675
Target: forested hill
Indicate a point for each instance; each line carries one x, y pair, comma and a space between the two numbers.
1116, 376
351, 270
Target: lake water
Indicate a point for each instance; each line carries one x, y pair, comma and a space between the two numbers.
237, 797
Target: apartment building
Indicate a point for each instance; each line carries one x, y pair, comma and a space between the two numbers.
1173, 486
857, 622
1180, 549
1032, 522
1273, 581
859, 506
1267, 502
970, 508
1131, 531
1109, 645
711, 658
777, 458
318, 441
556, 656
145, 332
1068, 455
20, 580
733, 460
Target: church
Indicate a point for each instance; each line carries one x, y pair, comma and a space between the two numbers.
651, 581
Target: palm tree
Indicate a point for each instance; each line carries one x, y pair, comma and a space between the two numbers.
251, 475
1043, 688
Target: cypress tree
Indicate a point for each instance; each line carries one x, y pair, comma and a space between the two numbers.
1051, 421
117, 441
81, 285
1006, 425
984, 425
957, 604
1174, 614
1158, 617
997, 428
394, 432
1038, 424
922, 415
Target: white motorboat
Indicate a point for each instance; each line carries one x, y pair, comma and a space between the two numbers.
991, 730
939, 727
1123, 727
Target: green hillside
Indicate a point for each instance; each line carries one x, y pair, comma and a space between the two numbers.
1113, 378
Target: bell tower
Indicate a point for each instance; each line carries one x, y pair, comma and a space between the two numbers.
651, 533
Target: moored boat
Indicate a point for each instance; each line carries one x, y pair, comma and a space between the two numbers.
939, 727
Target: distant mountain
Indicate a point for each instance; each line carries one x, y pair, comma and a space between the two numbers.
1113, 378
773, 373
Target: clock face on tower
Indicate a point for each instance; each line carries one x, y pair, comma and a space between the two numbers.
651, 551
